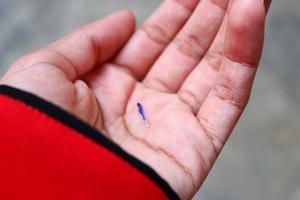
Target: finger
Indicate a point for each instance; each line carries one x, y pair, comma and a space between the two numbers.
156, 33
199, 83
97, 42
188, 48
229, 96
80, 51
267, 4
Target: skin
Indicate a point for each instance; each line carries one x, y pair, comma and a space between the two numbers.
191, 66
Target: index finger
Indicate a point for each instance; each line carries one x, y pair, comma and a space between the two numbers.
243, 46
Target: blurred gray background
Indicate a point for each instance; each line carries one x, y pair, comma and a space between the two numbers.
262, 158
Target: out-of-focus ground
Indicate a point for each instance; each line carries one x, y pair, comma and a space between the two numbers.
262, 158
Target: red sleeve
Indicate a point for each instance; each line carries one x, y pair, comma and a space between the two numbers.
46, 153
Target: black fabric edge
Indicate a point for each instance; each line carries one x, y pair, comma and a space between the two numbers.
89, 132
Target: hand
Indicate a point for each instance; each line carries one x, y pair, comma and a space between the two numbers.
191, 66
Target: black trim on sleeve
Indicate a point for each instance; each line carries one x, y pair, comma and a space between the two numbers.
75, 123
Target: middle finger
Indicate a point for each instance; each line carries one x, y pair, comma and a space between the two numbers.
188, 48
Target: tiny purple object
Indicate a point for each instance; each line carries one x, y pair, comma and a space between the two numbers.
142, 113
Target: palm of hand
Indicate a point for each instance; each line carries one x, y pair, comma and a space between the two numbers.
174, 142
191, 111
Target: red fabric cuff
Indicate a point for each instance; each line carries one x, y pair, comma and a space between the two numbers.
46, 153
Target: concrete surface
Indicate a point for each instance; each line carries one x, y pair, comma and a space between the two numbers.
262, 159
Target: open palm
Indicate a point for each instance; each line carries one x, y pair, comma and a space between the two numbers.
191, 66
